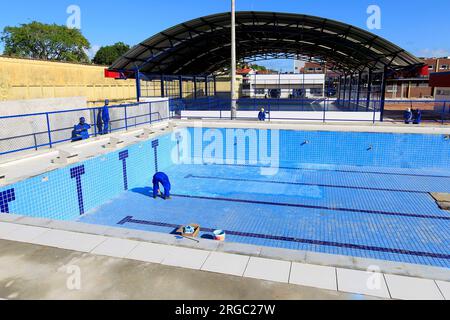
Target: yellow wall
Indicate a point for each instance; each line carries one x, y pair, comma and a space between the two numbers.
22, 79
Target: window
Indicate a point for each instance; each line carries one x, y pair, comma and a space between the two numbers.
444, 67
260, 91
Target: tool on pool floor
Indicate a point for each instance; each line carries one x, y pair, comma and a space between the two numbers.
189, 231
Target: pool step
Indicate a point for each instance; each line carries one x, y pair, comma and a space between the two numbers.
442, 200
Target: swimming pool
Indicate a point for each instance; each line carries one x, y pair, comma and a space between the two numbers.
350, 193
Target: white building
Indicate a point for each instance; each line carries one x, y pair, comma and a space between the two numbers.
284, 85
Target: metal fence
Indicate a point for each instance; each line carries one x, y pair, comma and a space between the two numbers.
320, 109
44, 130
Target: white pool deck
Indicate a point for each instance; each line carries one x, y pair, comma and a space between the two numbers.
378, 278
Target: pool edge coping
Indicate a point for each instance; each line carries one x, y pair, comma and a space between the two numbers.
298, 256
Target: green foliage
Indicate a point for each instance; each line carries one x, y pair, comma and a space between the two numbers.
108, 54
258, 68
45, 41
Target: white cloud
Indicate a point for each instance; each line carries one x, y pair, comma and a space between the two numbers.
434, 53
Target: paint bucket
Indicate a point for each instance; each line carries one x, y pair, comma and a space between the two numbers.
219, 235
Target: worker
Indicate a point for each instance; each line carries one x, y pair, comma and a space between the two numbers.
262, 115
105, 117
417, 116
408, 116
81, 130
161, 178
99, 121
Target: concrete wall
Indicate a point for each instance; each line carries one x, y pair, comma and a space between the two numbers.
22, 79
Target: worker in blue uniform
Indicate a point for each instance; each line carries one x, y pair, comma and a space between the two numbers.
408, 116
262, 115
105, 117
163, 179
417, 116
81, 131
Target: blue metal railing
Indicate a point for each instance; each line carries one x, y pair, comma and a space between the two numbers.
324, 108
46, 129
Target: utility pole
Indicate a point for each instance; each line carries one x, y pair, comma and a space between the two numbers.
233, 60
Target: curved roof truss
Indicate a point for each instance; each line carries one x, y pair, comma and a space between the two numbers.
203, 45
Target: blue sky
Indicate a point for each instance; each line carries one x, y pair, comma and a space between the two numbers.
420, 27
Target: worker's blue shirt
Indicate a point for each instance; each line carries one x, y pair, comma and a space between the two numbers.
262, 116
162, 178
105, 114
82, 130
408, 115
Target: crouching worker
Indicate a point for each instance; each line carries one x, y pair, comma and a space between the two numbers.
262, 115
408, 116
161, 178
81, 131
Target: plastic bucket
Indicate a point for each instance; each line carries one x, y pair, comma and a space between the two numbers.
219, 235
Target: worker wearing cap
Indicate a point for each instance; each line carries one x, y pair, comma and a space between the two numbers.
262, 115
81, 130
105, 117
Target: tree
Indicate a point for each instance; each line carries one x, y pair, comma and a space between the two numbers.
108, 54
45, 41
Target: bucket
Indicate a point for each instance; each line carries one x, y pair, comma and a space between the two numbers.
219, 235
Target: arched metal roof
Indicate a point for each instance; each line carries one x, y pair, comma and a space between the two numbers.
203, 45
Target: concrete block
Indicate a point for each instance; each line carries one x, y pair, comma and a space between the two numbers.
66, 156
114, 142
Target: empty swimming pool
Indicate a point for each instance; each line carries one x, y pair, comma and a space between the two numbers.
349, 193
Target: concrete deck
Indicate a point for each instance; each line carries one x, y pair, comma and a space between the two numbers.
36, 272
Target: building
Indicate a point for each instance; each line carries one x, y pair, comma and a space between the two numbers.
409, 88
441, 82
258, 85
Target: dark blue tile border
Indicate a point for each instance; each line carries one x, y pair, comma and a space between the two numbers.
5, 198
283, 204
155, 145
304, 184
76, 173
130, 219
123, 157
336, 170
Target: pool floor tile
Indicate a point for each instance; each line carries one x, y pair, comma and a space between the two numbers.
362, 282
149, 252
407, 288
313, 276
118, 248
69, 240
444, 287
268, 269
226, 263
185, 257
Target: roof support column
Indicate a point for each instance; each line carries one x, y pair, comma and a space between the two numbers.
350, 91
339, 88
233, 60
195, 87
138, 85
206, 85
369, 89
358, 94
383, 94
180, 81
163, 91
215, 85
345, 88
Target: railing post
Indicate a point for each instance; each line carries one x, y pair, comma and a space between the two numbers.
48, 131
126, 118
95, 122
325, 111
150, 107
35, 142
443, 113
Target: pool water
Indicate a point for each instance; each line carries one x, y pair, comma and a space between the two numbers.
357, 211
